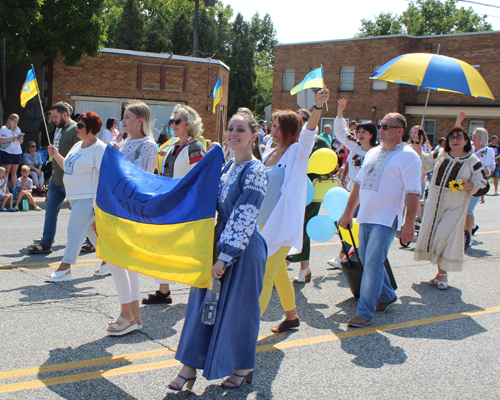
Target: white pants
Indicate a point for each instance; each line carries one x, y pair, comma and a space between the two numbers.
36, 180
126, 283
82, 215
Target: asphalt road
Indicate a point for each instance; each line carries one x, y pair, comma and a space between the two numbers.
430, 345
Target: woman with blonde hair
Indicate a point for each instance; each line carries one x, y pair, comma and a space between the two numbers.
140, 149
11, 153
178, 160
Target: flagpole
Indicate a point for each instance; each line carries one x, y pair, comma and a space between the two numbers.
43, 116
321, 65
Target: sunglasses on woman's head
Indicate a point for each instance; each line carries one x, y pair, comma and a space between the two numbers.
79, 125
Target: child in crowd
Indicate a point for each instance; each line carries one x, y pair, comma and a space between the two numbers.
5, 195
25, 186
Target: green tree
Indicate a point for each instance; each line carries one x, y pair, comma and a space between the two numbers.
426, 17
129, 32
384, 24
73, 27
242, 80
157, 26
18, 17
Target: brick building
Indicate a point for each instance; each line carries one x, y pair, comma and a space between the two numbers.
107, 83
348, 63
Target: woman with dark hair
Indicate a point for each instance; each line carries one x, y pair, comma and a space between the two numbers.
458, 175
228, 347
358, 146
32, 159
282, 212
81, 168
418, 135
111, 134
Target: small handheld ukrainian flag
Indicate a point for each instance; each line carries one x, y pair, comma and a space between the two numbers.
30, 87
217, 93
313, 79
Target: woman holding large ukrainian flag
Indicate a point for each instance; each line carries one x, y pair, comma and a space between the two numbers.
228, 347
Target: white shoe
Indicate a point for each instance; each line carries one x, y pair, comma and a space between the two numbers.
59, 276
496, 193
335, 262
304, 276
103, 270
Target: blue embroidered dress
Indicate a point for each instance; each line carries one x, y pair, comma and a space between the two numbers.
231, 342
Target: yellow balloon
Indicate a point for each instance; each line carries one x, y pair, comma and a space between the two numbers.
322, 162
355, 233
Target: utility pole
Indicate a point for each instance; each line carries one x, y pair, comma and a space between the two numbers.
196, 27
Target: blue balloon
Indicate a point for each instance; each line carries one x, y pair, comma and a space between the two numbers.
310, 192
335, 202
321, 228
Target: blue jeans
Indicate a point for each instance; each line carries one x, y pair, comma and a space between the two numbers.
55, 197
374, 243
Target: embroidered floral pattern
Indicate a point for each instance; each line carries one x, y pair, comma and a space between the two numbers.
374, 173
256, 180
228, 179
357, 160
240, 226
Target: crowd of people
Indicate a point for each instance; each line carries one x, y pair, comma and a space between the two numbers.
261, 210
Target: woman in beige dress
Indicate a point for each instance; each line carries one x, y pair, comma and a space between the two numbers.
441, 236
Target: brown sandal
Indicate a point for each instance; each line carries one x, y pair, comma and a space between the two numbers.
286, 325
87, 248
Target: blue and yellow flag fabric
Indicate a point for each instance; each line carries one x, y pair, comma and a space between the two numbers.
158, 226
217, 93
30, 87
313, 79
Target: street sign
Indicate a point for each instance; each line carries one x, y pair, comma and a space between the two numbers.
305, 99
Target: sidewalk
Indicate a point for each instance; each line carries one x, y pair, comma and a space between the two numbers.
40, 201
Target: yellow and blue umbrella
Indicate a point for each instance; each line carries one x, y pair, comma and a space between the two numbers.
436, 72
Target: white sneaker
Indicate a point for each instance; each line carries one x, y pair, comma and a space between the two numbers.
335, 262
103, 270
496, 193
59, 276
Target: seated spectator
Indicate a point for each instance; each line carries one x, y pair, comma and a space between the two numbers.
32, 159
5, 195
24, 187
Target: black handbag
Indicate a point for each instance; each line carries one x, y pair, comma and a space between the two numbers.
353, 269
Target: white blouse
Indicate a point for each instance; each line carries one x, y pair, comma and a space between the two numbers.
146, 146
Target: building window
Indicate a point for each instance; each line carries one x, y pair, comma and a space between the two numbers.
473, 125
376, 84
421, 89
288, 79
477, 67
347, 79
430, 129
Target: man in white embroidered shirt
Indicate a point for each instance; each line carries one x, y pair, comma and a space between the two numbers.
390, 172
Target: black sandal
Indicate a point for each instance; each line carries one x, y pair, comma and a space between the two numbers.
158, 298
40, 249
87, 248
286, 325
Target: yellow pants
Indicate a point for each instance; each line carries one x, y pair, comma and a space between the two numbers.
277, 274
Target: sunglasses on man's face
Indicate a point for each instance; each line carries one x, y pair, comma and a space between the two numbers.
386, 127
79, 125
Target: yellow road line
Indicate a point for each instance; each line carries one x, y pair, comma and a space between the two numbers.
50, 264
171, 363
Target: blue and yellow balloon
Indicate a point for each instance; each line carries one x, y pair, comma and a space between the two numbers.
321, 228
335, 202
355, 233
322, 162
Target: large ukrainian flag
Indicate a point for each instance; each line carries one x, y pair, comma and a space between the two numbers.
30, 87
158, 226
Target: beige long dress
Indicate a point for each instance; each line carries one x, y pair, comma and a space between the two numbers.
441, 236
